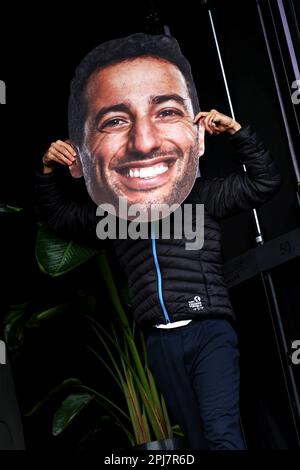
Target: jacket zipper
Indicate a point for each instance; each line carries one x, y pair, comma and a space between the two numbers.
159, 279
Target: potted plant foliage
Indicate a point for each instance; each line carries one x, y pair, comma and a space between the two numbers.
140, 410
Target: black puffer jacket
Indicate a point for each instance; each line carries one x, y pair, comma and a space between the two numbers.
167, 281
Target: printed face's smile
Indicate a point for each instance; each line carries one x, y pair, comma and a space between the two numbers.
146, 175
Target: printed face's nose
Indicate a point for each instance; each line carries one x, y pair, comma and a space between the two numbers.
144, 137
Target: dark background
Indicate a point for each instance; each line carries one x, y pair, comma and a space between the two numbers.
40, 49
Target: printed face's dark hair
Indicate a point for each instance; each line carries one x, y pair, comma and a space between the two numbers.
116, 51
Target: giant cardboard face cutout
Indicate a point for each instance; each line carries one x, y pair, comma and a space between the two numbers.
135, 134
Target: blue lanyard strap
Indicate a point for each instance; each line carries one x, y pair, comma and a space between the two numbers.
159, 278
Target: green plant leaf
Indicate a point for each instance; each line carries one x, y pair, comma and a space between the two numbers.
70, 408
15, 312
124, 294
104, 401
149, 395
166, 417
35, 320
106, 365
14, 335
108, 278
100, 335
177, 430
154, 392
155, 414
146, 427
14, 325
66, 383
111, 408
135, 410
93, 432
8, 209
57, 256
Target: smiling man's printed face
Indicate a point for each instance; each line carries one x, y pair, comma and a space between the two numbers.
140, 142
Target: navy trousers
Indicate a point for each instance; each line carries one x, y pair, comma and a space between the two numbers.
196, 367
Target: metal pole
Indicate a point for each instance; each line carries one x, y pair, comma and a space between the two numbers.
259, 237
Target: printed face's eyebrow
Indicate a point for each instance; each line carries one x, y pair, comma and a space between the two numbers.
120, 107
124, 108
173, 97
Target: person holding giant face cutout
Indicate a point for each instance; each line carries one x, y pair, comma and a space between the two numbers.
136, 132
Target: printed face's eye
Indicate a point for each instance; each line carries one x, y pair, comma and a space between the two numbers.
170, 114
114, 124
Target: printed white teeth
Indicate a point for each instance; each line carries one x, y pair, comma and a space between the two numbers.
148, 172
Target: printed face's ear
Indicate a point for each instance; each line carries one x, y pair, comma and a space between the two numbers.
76, 168
201, 133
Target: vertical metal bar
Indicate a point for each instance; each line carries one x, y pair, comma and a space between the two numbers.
259, 237
221, 63
288, 39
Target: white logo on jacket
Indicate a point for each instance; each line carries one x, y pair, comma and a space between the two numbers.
196, 303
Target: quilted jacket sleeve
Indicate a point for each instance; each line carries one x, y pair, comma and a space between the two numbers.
241, 191
71, 218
